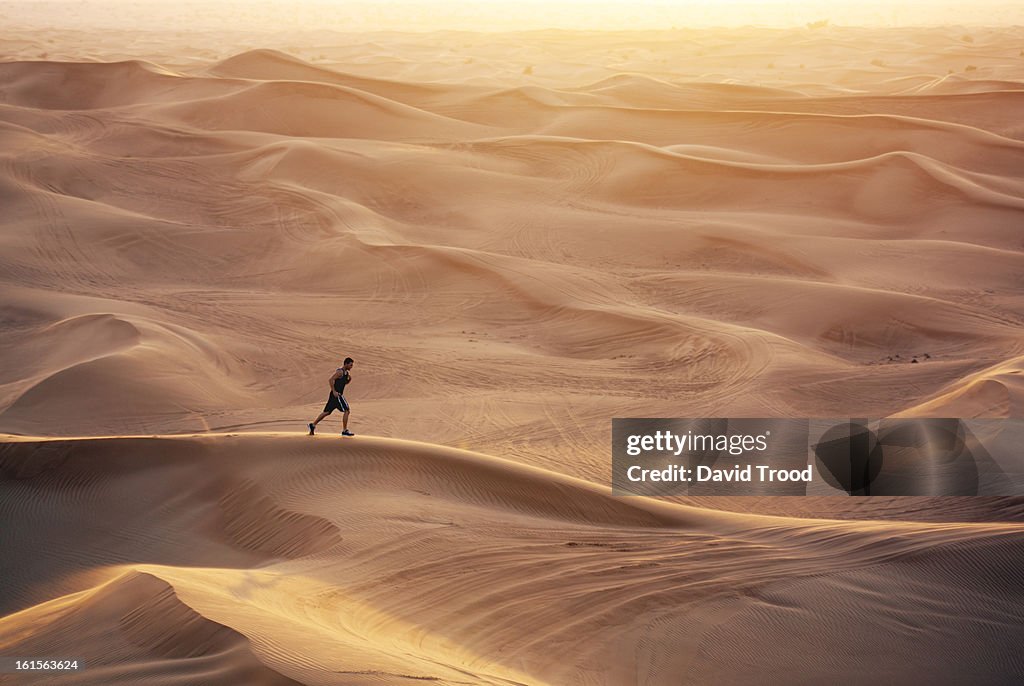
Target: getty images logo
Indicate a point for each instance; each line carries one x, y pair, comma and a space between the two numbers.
854, 457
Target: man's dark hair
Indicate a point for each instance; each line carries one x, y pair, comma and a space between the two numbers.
347, 360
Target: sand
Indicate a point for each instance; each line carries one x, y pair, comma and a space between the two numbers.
517, 236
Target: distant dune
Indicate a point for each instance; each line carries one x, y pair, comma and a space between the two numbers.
517, 237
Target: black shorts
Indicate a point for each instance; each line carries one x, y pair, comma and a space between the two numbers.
334, 404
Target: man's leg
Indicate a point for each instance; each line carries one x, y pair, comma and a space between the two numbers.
312, 424
344, 420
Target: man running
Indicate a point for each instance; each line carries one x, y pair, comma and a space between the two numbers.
336, 400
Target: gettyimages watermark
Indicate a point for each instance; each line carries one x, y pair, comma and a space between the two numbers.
842, 457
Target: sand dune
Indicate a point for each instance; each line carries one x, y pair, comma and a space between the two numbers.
485, 570
85, 86
518, 236
997, 388
270, 211
216, 188
148, 633
274, 65
295, 108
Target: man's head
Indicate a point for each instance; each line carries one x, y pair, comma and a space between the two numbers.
348, 363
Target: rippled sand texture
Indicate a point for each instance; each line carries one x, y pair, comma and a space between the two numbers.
264, 558
512, 265
518, 237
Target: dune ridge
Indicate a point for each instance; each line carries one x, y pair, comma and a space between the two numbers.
483, 566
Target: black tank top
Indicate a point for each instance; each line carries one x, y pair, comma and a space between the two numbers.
339, 383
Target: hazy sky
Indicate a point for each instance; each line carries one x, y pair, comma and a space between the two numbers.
498, 15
